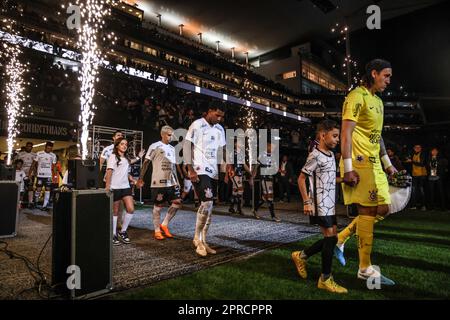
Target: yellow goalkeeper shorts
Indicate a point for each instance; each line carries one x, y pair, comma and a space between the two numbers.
372, 189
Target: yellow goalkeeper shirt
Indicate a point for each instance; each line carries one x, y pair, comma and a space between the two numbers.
366, 110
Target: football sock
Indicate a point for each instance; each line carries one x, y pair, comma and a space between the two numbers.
327, 254
126, 221
364, 231
156, 218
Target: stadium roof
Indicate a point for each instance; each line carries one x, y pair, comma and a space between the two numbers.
262, 26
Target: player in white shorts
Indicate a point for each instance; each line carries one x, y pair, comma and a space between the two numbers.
42, 166
204, 139
164, 183
118, 181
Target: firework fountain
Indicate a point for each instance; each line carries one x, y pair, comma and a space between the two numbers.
93, 13
13, 74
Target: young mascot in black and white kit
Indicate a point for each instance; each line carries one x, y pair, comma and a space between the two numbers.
164, 185
42, 166
319, 203
118, 181
204, 140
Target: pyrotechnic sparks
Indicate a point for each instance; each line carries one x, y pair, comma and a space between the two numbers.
93, 13
13, 71
250, 122
13, 90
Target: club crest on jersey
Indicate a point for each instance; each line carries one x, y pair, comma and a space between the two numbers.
213, 138
359, 158
373, 195
160, 197
357, 109
208, 193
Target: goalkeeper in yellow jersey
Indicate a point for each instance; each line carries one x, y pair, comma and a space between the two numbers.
363, 153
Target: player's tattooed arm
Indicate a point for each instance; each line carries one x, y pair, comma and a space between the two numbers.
188, 155
32, 170
351, 177
383, 151
144, 169
390, 169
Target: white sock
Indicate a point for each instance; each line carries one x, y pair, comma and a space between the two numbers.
115, 224
202, 216
126, 221
206, 227
170, 215
36, 196
156, 218
46, 197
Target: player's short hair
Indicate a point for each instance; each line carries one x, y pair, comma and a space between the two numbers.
116, 132
326, 125
29, 142
49, 144
166, 129
216, 105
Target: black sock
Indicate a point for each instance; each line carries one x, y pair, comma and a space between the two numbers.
327, 253
272, 211
314, 248
258, 205
232, 203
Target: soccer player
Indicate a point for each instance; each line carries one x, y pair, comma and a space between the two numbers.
319, 203
107, 151
265, 161
204, 141
363, 153
42, 165
118, 181
235, 174
164, 185
28, 156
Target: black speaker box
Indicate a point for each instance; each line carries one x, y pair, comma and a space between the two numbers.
7, 172
9, 212
82, 240
83, 174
